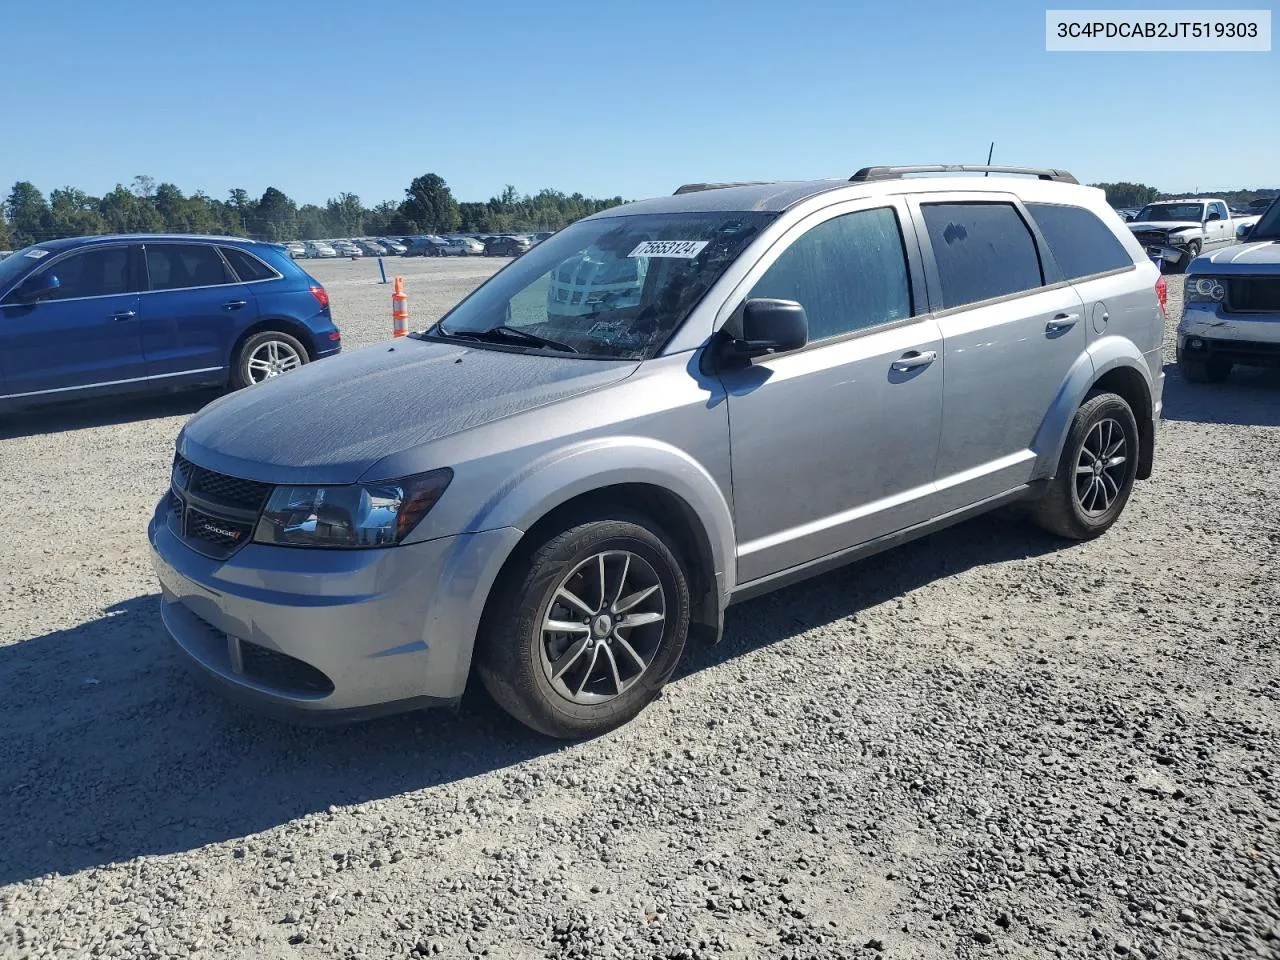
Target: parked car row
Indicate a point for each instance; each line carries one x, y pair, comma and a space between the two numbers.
423, 245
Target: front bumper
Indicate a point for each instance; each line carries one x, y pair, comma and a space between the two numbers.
1167, 253
1251, 338
322, 635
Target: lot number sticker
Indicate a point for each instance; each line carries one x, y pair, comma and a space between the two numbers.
674, 249
37, 254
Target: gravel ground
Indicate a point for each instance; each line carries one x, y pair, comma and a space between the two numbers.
986, 743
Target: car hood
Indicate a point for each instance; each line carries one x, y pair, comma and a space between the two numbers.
1162, 225
1262, 257
330, 421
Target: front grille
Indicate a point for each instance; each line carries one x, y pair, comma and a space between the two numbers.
232, 491
283, 672
1253, 295
212, 512
1150, 237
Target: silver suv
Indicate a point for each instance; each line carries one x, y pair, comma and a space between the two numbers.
556, 485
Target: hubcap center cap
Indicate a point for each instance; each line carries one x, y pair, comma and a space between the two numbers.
602, 626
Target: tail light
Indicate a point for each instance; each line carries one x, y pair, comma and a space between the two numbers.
1162, 294
322, 295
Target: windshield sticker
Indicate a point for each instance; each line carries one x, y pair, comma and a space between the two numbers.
675, 249
37, 254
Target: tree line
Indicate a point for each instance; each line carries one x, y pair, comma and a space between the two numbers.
145, 206
429, 206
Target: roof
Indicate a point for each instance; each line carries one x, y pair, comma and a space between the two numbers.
781, 195
64, 242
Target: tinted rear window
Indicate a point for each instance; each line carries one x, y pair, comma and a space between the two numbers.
247, 266
176, 265
983, 250
1080, 242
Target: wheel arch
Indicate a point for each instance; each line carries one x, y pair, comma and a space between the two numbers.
1113, 364
669, 512
281, 324
639, 475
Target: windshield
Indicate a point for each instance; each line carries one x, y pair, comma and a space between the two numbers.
616, 287
1171, 211
1268, 228
17, 263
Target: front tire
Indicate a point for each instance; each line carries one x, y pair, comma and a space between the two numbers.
1096, 472
583, 633
1193, 251
266, 355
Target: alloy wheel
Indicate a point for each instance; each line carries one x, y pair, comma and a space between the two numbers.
603, 627
1101, 467
271, 359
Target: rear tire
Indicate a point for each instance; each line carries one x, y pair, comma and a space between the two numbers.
586, 679
1085, 499
264, 352
1204, 371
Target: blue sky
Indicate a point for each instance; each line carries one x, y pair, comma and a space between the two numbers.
606, 98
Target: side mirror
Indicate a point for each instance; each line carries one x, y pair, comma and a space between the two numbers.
1129, 217
38, 287
1213, 215
1243, 232
765, 326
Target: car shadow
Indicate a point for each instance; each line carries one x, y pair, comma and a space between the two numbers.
847, 591
110, 751
82, 414
1250, 397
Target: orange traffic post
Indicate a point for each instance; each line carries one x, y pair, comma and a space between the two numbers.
399, 309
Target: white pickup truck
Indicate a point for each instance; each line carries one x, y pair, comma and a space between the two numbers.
1175, 232
1231, 306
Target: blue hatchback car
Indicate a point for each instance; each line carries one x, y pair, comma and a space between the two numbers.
91, 316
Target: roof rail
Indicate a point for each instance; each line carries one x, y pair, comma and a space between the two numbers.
893, 173
698, 187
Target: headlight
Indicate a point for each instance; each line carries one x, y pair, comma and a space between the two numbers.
1204, 290
353, 516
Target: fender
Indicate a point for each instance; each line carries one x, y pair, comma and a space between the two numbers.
558, 477
1102, 356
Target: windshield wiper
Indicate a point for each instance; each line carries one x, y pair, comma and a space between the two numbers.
505, 334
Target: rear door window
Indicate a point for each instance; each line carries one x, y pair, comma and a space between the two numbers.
983, 250
247, 267
97, 272
1081, 243
173, 266
849, 273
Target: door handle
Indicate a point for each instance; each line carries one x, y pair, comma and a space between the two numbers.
124, 315
234, 304
914, 359
1063, 321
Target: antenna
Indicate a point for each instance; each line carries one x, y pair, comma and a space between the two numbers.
991, 151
